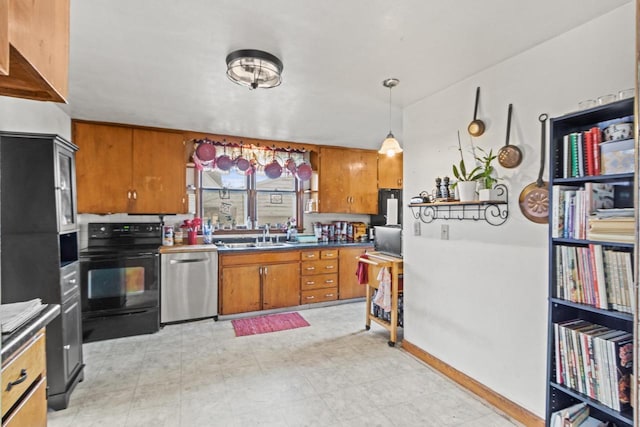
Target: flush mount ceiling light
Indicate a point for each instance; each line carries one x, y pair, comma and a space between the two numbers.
254, 68
390, 145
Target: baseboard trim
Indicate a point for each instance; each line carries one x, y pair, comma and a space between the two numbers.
500, 402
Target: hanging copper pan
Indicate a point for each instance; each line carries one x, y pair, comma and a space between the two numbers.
534, 198
476, 127
509, 156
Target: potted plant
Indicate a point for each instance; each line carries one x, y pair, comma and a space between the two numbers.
467, 180
485, 175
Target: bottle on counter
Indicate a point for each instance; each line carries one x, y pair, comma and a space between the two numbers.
167, 235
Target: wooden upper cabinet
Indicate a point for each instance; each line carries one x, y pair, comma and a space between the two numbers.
159, 181
390, 171
129, 170
348, 181
38, 36
103, 167
4, 37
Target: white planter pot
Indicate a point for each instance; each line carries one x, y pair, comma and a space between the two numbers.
466, 191
486, 194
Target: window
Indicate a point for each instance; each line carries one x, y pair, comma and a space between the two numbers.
234, 200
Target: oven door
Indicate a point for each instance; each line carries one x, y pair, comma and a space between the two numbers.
119, 283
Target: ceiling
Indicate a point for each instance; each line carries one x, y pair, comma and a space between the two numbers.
162, 62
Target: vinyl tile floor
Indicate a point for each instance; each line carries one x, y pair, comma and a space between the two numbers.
331, 373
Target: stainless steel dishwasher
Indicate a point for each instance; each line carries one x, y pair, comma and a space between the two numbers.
189, 285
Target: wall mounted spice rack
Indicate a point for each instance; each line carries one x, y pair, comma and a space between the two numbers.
494, 212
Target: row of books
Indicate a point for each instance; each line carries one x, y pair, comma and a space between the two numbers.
595, 360
574, 416
595, 276
581, 153
588, 213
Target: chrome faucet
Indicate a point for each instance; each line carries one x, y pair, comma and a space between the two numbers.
265, 233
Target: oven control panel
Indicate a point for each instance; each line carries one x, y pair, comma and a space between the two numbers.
117, 231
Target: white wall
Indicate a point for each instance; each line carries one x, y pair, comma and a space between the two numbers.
22, 115
479, 300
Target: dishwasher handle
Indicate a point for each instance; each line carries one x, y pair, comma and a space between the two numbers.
187, 261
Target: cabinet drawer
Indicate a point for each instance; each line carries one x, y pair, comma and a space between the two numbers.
28, 364
329, 254
319, 267
32, 411
318, 281
319, 295
309, 255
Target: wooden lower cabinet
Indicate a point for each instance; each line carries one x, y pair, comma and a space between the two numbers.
348, 281
254, 281
240, 289
259, 281
280, 285
24, 385
319, 276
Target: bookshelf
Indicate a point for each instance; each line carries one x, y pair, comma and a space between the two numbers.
591, 285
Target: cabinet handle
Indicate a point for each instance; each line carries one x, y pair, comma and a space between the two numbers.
329, 267
310, 256
266, 271
328, 295
311, 283
260, 271
20, 380
129, 194
135, 195
328, 281
310, 297
310, 268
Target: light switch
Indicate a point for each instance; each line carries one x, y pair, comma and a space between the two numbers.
416, 228
444, 232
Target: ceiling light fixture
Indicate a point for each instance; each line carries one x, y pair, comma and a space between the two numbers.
390, 145
254, 69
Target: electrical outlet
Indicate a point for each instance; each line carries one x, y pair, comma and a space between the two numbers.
444, 232
416, 228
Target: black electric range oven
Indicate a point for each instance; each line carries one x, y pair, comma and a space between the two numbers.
119, 273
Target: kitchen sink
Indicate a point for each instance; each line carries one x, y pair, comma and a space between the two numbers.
253, 245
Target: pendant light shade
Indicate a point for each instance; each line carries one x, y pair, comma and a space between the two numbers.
390, 146
254, 69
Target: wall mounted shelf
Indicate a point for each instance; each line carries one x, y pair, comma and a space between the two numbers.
494, 212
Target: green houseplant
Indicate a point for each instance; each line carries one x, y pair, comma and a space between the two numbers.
486, 175
467, 179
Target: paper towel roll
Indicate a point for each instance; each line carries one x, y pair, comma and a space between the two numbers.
392, 211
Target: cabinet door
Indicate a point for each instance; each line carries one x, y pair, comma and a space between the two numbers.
390, 171
348, 286
103, 167
240, 289
280, 285
65, 189
158, 172
333, 181
363, 177
72, 339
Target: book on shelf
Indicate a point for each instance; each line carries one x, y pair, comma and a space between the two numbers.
595, 276
558, 418
594, 360
581, 154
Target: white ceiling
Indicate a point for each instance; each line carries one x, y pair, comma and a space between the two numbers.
162, 62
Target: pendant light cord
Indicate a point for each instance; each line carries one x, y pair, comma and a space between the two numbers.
390, 87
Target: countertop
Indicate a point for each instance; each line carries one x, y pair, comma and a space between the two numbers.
288, 246
13, 341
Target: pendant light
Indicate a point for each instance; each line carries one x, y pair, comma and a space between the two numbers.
390, 145
254, 68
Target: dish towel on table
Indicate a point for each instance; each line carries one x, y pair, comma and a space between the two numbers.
383, 296
363, 271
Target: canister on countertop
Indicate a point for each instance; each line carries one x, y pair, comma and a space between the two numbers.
167, 235
178, 236
359, 230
